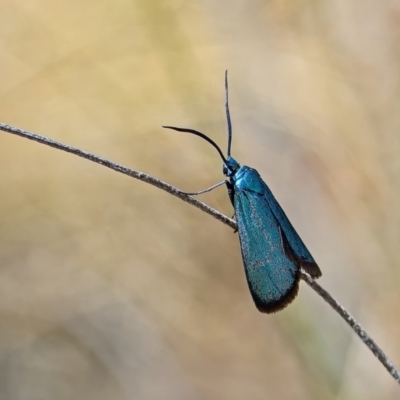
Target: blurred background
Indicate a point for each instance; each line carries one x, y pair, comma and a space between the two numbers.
113, 289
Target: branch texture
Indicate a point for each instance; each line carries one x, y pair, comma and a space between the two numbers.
367, 340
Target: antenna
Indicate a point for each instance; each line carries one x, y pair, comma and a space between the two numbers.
228, 115
202, 135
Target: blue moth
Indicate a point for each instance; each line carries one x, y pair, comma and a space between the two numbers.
273, 253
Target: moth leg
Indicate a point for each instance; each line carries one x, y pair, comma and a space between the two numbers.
204, 190
234, 217
231, 191
231, 194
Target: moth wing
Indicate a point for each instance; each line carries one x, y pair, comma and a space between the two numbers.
295, 249
273, 278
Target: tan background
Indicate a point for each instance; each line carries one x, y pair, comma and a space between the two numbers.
112, 289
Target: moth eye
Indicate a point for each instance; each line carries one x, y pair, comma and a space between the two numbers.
225, 170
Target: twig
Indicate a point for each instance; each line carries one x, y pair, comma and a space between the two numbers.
142, 176
367, 340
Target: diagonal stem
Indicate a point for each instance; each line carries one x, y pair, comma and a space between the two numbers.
142, 176
367, 340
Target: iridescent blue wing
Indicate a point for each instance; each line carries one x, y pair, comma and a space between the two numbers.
295, 249
273, 278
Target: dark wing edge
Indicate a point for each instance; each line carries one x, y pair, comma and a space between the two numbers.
289, 295
283, 302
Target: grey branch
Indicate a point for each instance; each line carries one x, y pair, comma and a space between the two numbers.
368, 341
142, 176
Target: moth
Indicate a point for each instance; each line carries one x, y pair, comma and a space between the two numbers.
272, 251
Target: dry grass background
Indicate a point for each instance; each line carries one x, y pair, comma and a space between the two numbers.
112, 289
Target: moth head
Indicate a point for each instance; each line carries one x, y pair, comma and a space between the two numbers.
230, 167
